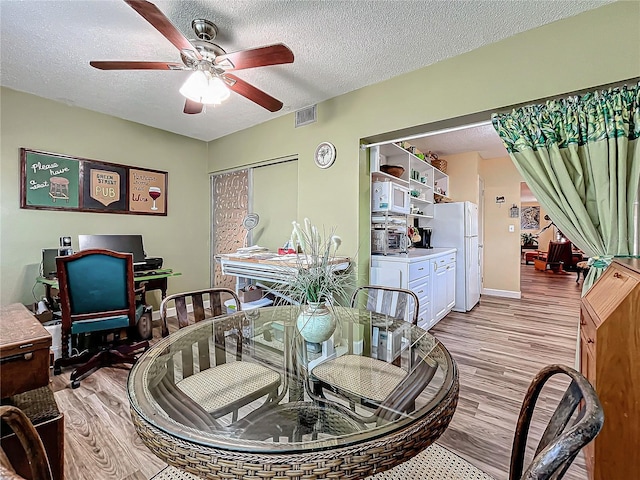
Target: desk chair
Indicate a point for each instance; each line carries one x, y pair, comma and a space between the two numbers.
30, 440
565, 435
98, 297
216, 385
556, 259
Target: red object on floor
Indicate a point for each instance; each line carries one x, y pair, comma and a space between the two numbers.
530, 256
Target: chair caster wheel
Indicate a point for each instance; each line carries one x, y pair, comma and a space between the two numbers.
75, 383
57, 370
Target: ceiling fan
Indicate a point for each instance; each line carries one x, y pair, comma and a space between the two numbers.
211, 81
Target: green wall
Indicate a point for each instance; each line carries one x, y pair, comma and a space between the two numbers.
181, 238
276, 211
595, 48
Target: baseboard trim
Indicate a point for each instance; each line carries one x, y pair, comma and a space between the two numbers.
501, 293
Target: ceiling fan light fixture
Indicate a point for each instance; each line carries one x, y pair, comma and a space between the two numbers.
204, 87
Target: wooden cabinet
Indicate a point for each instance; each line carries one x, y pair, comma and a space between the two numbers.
610, 359
24, 350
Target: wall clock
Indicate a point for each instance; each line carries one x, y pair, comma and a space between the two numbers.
325, 155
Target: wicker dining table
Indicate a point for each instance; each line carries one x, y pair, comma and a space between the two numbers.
304, 430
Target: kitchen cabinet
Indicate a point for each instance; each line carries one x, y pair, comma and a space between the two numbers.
439, 289
610, 359
451, 285
415, 271
443, 298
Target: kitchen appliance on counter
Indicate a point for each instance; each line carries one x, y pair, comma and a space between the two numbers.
456, 225
425, 238
390, 197
388, 241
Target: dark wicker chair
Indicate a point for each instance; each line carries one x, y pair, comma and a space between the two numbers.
208, 378
562, 440
393, 302
31, 442
215, 297
339, 374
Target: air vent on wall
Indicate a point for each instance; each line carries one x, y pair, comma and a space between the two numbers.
306, 116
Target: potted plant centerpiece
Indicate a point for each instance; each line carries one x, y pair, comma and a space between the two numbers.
316, 287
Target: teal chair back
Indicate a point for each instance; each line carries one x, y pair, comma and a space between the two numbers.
97, 282
96, 290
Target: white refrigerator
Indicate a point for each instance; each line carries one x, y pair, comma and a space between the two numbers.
456, 225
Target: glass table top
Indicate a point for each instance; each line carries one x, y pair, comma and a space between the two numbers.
249, 382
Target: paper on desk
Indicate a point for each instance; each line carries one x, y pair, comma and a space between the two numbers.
252, 249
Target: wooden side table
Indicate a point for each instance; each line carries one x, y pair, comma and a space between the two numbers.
24, 350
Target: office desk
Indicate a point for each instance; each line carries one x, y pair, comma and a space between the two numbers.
314, 435
154, 281
269, 267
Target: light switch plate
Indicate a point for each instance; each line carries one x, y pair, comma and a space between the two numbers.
512, 228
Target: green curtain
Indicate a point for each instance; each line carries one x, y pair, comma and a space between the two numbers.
580, 157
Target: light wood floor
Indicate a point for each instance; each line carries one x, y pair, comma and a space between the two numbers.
498, 347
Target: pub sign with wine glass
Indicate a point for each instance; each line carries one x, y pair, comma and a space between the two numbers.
52, 181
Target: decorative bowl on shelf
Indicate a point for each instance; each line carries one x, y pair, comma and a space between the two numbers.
395, 170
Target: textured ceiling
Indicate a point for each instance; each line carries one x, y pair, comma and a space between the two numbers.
339, 46
482, 139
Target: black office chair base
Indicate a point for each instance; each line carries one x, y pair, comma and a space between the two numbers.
91, 361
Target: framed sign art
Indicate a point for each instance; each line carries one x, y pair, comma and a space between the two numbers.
51, 181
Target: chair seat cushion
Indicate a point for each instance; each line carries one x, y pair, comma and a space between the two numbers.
227, 387
434, 463
172, 473
99, 324
361, 376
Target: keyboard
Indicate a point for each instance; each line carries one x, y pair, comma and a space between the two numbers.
144, 273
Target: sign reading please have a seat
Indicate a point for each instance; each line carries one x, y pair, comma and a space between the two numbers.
52, 181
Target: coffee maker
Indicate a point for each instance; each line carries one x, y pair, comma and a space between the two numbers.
425, 237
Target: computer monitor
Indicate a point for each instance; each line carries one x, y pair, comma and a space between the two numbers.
117, 243
49, 269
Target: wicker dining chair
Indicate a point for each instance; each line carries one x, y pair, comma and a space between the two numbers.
566, 434
33, 447
390, 301
361, 376
217, 385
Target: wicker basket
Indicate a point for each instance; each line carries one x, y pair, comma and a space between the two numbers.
440, 164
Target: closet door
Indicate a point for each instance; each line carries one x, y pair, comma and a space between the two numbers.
230, 204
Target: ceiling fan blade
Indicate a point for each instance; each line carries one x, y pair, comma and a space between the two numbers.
254, 94
256, 57
137, 65
156, 18
192, 107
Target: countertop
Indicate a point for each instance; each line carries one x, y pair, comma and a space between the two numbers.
415, 255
